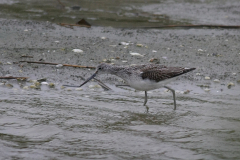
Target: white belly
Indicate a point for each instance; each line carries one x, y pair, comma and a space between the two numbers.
146, 84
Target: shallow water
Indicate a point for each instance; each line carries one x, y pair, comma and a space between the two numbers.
95, 124
123, 13
98, 124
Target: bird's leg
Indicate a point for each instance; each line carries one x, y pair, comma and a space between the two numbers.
174, 99
145, 101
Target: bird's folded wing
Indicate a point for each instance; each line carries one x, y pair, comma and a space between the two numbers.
162, 74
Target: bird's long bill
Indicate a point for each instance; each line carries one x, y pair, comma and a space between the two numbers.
94, 75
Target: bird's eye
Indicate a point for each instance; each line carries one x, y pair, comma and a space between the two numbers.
99, 68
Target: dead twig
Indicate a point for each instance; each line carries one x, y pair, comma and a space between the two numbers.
20, 78
69, 65
25, 56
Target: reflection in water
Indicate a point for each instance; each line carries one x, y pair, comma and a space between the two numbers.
110, 125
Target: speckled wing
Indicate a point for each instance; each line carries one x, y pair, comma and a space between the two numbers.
164, 73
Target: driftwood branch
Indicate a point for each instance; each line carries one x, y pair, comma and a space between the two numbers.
69, 65
21, 78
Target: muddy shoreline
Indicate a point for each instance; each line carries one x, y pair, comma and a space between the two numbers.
214, 52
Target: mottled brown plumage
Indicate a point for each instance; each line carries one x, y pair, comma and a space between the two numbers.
143, 77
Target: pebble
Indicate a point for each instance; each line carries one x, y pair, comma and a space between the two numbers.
216, 80
42, 80
230, 84
26, 87
200, 50
56, 41
103, 37
77, 50
51, 85
124, 61
9, 63
37, 84
139, 45
198, 74
44, 83
32, 81
234, 74
206, 90
124, 43
32, 86
207, 78
136, 54
154, 51
59, 66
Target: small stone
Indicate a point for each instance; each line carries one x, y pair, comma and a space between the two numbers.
56, 41
37, 84
139, 45
59, 66
103, 37
207, 78
136, 54
51, 85
25, 30
26, 87
124, 43
124, 61
77, 50
230, 84
44, 83
198, 74
154, 51
42, 80
206, 90
9, 63
200, 50
62, 87
32, 81
234, 74
216, 80
32, 86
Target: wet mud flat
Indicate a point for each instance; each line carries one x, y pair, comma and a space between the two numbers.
90, 123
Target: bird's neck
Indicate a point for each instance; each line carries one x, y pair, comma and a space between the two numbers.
116, 70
